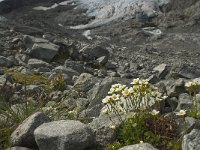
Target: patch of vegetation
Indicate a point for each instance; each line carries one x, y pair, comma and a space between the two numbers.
27, 79
5, 137
58, 82
137, 109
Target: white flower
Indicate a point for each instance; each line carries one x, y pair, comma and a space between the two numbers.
115, 97
104, 111
181, 113
135, 81
141, 142
155, 112
131, 90
106, 99
113, 127
164, 97
125, 92
112, 90
189, 84
115, 86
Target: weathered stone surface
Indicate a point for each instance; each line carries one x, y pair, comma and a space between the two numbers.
63, 135
4, 62
104, 131
184, 71
177, 88
143, 146
36, 63
162, 69
93, 52
85, 82
23, 135
191, 141
19, 148
40, 48
185, 102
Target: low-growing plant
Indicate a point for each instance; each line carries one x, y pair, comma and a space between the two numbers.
194, 87
58, 82
137, 107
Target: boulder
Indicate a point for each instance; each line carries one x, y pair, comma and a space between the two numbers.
177, 88
36, 63
191, 141
85, 82
104, 129
63, 135
44, 51
184, 71
143, 146
91, 52
5, 62
184, 102
163, 70
40, 48
23, 135
100, 89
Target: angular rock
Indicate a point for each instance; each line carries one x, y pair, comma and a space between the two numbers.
191, 141
75, 65
163, 70
63, 135
184, 71
44, 51
153, 79
143, 146
93, 52
177, 88
85, 82
102, 60
102, 128
4, 62
40, 48
100, 89
184, 102
23, 135
36, 63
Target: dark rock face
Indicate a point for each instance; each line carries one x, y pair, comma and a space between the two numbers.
8, 5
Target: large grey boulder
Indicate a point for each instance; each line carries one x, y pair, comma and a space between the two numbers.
143, 146
23, 135
100, 89
85, 82
104, 129
63, 135
91, 52
191, 141
185, 71
40, 48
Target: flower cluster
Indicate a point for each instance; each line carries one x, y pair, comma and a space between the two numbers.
193, 85
138, 97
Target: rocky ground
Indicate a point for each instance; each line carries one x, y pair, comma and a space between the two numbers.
40, 40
